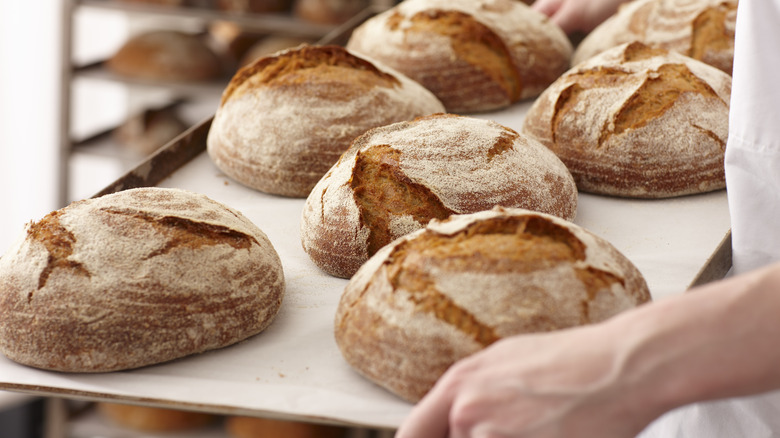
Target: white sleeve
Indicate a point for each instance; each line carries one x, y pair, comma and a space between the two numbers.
753, 150
753, 181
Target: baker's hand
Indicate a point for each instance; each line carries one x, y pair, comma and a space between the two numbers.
577, 15
560, 384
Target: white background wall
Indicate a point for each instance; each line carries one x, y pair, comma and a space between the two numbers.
29, 103
31, 38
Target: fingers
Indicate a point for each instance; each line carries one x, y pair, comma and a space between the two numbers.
577, 15
547, 7
560, 13
568, 18
430, 417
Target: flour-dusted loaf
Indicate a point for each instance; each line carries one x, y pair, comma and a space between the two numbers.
637, 122
396, 178
475, 55
701, 29
166, 55
135, 278
285, 119
447, 291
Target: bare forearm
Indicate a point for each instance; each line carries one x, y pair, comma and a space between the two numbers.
614, 378
717, 341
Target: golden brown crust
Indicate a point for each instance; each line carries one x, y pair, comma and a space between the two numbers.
151, 419
166, 55
701, 29
637, 122
255, 427
473, 55
135, 278
307, 64
396, 178
285, 119
422, 303
382, 191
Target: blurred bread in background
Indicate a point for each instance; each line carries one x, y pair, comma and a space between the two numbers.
151, 419
169, 55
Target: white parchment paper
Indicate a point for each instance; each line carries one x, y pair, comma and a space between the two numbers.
294, 370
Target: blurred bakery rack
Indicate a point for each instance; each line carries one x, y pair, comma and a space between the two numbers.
100, 108
95, 100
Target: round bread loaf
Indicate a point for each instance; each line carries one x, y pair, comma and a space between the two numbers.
285, 119
637, 122
167, 55
701, 29
442, 293
396, 178
152, 419
253, 427
474, 55
328, 11
135, 278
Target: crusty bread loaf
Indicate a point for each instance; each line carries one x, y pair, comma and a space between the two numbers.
328, 11
396, 178
285, 119
474, 55
637, 122
153, 419
135, 278
167, 55
442, 293
254, 427
701, 29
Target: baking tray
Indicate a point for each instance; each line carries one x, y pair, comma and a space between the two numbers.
294, 370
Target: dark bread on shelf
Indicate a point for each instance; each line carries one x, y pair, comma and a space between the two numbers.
328, 11
255, 427
167, 55
154, 419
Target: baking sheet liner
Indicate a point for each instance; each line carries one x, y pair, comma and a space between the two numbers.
294, 369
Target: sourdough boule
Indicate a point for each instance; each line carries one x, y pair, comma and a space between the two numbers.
447, 291
396, 178
637, 121
135, 278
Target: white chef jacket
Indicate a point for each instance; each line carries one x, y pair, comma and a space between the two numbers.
753, 181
